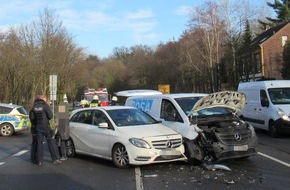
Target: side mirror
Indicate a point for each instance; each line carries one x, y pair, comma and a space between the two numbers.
103, 125
265, 102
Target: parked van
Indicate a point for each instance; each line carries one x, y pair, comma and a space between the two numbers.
208, 123
123, 95
268, 105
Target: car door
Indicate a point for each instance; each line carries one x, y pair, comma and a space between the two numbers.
80, 130
262, 110
171, 118
99, 137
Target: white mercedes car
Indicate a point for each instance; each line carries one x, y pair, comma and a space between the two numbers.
125, 135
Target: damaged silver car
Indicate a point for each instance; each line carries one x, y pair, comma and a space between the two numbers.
222, 134
209, 124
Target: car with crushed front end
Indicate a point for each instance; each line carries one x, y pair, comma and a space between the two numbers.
13, 118
125, 135
209, 123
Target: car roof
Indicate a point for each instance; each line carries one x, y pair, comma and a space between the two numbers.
139, 92
9, 105
103, 108
175, 95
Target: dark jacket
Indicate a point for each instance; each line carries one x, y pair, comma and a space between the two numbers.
40, 114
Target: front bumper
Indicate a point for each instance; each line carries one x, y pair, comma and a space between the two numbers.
229, 148
142, 156
282, 126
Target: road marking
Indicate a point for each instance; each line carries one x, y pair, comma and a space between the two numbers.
1, 163
139, 183
20, 153
274, 159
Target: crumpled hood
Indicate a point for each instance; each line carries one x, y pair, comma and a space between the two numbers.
233, 100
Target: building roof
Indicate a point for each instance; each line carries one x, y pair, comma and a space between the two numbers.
267, 34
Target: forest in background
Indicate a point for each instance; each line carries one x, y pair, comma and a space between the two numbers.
204, 59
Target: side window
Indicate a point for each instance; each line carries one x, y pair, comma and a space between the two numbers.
100, 117
263, 98
74, 118
5, 110
169, 112
85, 117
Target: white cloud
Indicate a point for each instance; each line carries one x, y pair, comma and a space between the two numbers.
183, 10
141, 14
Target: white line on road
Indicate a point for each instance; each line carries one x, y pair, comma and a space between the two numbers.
139, 183
1, 163
21, 152
274, 159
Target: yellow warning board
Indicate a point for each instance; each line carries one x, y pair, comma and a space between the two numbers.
164, 88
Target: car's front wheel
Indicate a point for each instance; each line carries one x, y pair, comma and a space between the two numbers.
120, 156
6, 129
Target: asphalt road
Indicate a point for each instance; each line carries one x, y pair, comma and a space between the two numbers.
270, 169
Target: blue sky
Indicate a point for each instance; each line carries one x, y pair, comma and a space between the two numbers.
101, 25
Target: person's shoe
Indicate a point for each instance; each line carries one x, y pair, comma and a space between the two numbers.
56, 162
39, 163
63, 158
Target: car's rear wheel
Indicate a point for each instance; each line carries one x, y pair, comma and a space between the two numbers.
70, 148
6, 129
120, 156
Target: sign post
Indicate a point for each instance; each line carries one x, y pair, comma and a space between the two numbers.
53, 90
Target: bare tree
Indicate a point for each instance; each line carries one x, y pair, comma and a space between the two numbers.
207, 22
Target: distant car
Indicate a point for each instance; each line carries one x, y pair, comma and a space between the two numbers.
125, 135
13, 118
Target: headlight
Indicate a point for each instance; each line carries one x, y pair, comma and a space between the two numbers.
139, 143
283, 115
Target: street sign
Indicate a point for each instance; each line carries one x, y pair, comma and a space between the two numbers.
53, 86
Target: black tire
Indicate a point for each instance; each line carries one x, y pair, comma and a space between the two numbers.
120, 156
273, 130
6, 129
70, 148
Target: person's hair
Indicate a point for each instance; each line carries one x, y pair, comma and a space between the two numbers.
43, 97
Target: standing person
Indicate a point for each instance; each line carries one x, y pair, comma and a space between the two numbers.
61, 142
114, 101
33, 155
40, 115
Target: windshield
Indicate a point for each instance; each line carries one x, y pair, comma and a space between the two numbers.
279, 95
130, 117
187, 104
89, 97
22, 110
103, 97
217, 111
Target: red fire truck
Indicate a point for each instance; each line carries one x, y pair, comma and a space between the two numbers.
102, 94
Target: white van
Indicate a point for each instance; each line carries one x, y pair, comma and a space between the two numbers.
268, 105
123, 95
208, 123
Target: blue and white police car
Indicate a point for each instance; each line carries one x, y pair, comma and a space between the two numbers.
13, 118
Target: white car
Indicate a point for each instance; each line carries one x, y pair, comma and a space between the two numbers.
125, 135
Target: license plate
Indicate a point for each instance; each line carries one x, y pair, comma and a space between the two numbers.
170, 152
241, 148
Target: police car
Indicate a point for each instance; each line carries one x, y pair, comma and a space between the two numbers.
13, 118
